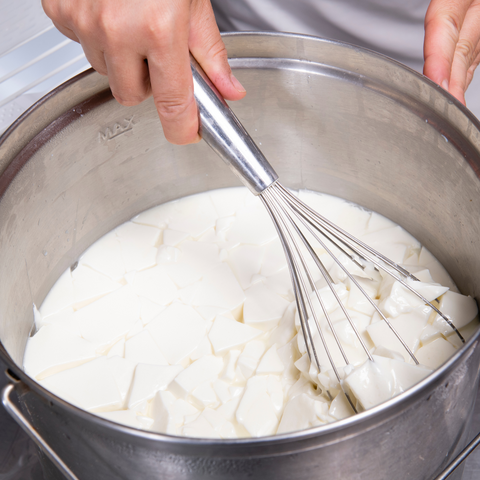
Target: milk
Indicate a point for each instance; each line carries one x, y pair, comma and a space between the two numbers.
183, 321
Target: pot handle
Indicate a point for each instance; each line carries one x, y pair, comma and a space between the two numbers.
460, 458
57, 461
17, 415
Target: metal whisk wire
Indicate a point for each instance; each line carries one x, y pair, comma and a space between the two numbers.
355, 245
288, 214
294, 222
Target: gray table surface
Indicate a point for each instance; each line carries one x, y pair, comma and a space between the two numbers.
19, 461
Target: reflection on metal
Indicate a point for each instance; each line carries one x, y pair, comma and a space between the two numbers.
17, 415
460, 458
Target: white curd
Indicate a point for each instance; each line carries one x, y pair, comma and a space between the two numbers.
183, 321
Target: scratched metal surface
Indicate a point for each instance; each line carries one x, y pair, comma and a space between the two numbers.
34, 58
19, 460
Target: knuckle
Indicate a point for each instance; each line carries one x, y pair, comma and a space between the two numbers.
50, 8
447, 16
163, 24
158, 33
218, 51
99, 69
129, 100
454, 21
171, 108
108, 24
466, 49
155, 28
82, 23
159, 24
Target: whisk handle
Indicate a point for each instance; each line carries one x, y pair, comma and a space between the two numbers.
222, 130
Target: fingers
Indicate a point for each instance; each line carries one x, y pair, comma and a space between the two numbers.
471, 70
451, 49
128, 77
208, 48
95, 57
67, 32
442, 26
118, 35
170, 74
169, 67
465, 58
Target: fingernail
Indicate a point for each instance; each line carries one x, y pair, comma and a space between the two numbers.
238, 86
445, 85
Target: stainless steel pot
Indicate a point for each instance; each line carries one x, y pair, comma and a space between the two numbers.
330, 117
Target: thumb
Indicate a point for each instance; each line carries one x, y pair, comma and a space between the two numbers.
207, 46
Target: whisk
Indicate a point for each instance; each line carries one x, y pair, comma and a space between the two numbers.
299, 228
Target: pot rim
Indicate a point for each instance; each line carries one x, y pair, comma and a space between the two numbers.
388, 409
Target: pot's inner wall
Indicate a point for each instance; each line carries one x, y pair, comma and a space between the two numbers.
323, 129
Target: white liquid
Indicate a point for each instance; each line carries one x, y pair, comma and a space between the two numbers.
183, 321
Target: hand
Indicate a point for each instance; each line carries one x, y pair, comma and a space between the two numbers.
452, 44
119, 35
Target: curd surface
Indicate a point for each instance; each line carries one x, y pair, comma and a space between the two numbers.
183, 321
